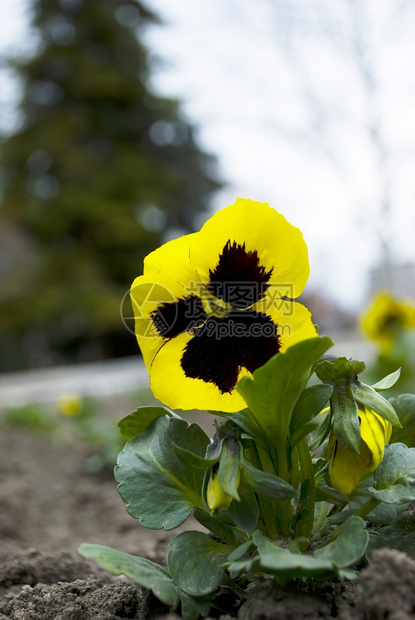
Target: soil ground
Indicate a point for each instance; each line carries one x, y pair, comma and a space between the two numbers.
49, 505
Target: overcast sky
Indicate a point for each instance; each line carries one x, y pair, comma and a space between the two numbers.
309, 105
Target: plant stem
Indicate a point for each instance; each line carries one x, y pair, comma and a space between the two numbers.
307, 474
362, 512
280, 454
265, 504
284, 507
295, 473
367, 507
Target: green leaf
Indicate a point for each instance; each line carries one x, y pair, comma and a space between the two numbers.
193, 607
193, 460
382, 514
346, 426
228, 472
369, 397
324, 492
321, 433
158, 488
275, 387
247, 422
298, 566
388, 381
195, 562
311, 402
404, 406
292, 565
266, 484
395, 476
240, 551
139, 420
349, 545
140, 570
214, 448
321, 510
320, 465
220, 525
246, 565
245, 512
307, 429
400, 535
339, 370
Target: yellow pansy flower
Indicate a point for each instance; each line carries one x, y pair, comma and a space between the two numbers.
386, 317
214, 306
346, 468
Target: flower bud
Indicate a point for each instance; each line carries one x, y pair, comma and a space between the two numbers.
346, 468
216, 497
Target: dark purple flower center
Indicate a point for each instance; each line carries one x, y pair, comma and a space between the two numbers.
222, 346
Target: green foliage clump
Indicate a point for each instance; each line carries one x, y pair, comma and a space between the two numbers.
284, 488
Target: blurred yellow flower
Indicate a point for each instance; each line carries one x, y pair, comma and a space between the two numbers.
346, 468
69, 403
386, 317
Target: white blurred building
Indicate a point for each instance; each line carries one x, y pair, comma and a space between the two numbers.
398, 279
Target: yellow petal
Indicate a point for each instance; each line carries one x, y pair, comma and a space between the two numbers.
279, 245
346, 467
216, 498
170, 384
148, 293
172, 259
293, 319
375, 432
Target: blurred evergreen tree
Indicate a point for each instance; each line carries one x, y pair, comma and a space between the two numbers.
98, 172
